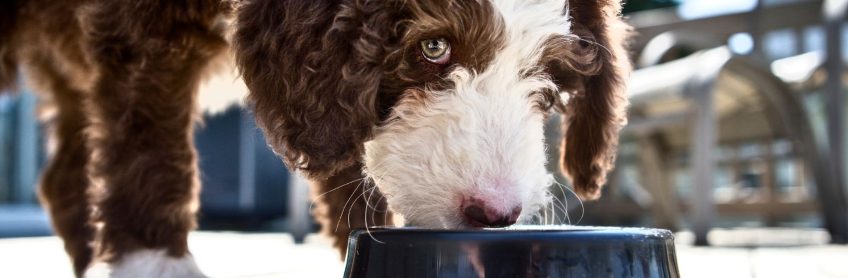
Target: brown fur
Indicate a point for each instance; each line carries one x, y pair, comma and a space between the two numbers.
60, 72
313, 86
312, 79
122, 93
64, 182
141, 112
319, 85
596, 111
8, 60
324, 80
122, 76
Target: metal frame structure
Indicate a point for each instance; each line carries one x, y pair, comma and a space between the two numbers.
662, 30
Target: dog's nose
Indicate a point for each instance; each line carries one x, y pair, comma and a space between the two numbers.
479, 215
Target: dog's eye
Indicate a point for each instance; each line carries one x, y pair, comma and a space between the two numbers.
436, 51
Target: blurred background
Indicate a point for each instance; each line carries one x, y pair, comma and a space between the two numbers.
737, 121
736, 138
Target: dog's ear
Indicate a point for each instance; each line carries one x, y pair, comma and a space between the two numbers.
313, 70
596, 110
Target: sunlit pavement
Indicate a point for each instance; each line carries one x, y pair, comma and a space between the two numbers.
276, 255
217, 254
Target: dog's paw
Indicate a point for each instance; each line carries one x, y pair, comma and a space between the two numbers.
147, 263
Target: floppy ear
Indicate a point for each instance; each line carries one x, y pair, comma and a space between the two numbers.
596, 110
313, 70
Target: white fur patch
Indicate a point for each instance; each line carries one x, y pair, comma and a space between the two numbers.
481, 139
147, 264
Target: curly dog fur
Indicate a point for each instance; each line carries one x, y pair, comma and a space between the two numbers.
333, 84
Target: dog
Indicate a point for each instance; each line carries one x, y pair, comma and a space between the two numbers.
432, 109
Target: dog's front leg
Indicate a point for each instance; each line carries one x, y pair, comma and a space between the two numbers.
64, 183
150, 56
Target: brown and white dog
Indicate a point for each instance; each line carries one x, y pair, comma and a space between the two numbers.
434, 107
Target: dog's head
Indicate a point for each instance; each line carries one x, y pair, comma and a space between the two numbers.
444, 102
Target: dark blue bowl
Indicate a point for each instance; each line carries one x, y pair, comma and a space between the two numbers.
528, 251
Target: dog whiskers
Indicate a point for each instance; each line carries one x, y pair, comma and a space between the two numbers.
367, 229
361, 195
368, 201
315, 199
557, 203
564, 203
386, 214
345, 206
579, 201
363, 181
554, 209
